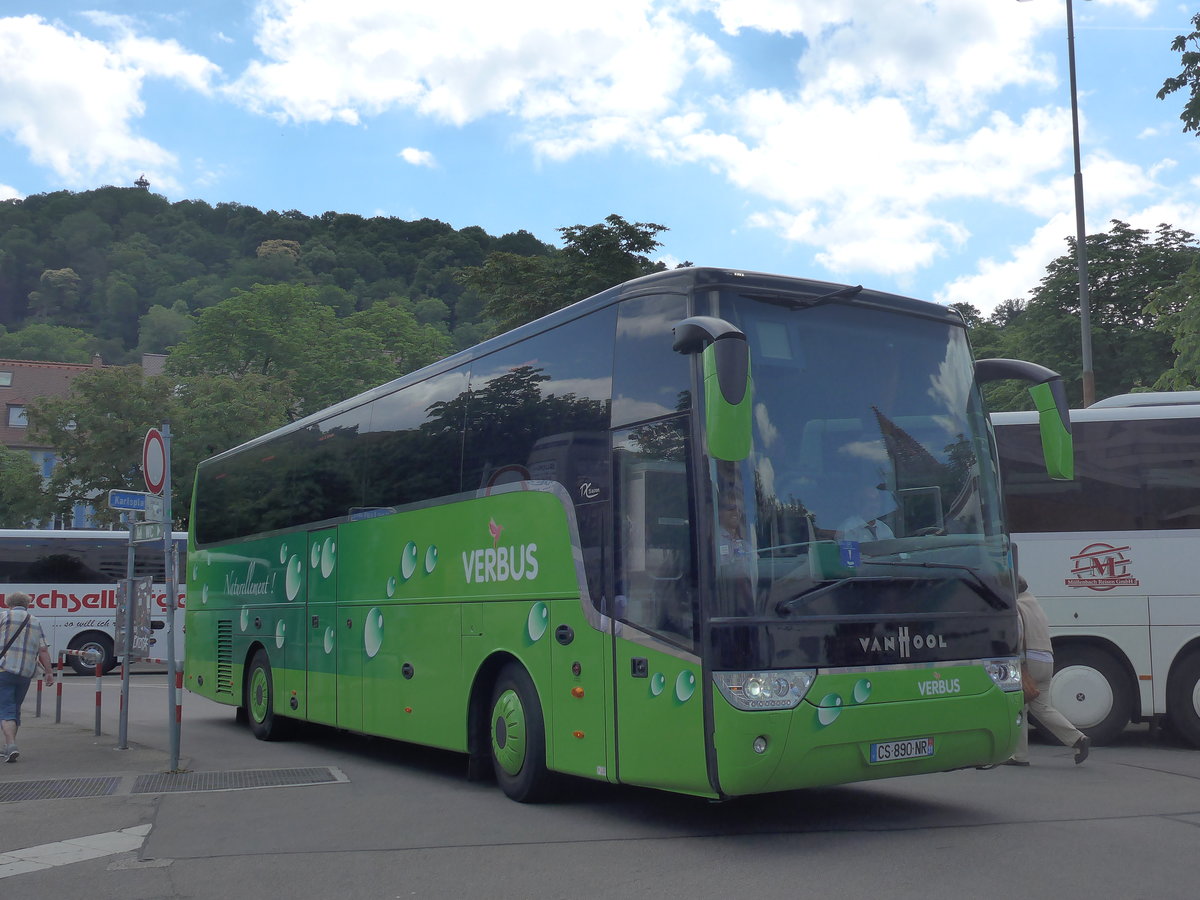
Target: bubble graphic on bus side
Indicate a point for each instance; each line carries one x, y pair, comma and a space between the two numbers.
328, 638
373, 632
391, 586
830, 709
408, 560
314, 555
195, 572
658, 681
280, 632
282, 554
204, 594
431, 555
685, 686
328, 557
245, 618
294, 578
539, 618
862, 690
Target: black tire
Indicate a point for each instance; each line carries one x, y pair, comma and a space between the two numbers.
92, 640
258, 698
517, 737
1092, 688
1183, 698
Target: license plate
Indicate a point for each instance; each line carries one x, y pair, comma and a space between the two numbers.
898, 751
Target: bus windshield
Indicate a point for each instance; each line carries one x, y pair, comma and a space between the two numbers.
870, 461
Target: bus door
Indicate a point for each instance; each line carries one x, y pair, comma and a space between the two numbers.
660, 702
321, 622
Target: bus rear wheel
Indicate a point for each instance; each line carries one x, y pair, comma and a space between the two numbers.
259, 699
518, 737
1090, 687
1183, 698
96, 641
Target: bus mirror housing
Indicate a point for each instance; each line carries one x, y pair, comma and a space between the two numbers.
725, 359
1050, 398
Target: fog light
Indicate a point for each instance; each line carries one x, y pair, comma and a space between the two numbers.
1020, 719
760, 744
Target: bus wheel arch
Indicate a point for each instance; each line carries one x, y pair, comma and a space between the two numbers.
1183, 693
258, 696
97, 640
513, 729
1094, 687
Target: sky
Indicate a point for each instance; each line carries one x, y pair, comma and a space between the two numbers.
916, 146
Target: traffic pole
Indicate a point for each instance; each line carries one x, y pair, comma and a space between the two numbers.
99, 692
58, 698
37, 713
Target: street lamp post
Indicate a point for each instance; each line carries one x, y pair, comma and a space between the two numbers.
1085, 317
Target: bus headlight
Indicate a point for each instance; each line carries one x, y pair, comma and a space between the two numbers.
1006, 673
778, 689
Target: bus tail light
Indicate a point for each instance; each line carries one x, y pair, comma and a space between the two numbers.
778, 689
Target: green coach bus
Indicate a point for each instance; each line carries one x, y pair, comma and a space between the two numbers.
708, 531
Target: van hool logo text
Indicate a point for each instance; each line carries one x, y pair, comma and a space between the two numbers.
902, 642
1101, 567
249, 587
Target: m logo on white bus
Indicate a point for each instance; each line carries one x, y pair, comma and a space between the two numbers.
902, 642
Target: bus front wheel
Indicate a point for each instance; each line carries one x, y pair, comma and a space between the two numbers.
1183, 698
1091, 688
518, 736
96, 641
259, 699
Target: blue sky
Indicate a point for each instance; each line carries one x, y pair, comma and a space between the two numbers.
919, 146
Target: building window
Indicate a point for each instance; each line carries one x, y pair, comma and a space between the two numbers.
5, 379
16, 416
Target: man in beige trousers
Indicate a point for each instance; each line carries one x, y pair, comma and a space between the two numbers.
1039, 659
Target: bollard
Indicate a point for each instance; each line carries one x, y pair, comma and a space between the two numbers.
37, 710
179, 696
58, 697
99, 684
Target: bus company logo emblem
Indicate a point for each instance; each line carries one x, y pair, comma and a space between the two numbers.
937, 686
903, 642
589, 491
1101, 567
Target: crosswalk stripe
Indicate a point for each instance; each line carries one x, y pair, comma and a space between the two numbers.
63, 853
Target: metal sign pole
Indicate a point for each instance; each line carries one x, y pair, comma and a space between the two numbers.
123, 719
171, 559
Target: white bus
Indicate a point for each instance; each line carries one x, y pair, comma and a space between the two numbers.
1110, 556
72, 578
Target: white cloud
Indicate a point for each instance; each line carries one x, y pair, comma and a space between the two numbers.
415, 157
458, 60
9, 193
71, 101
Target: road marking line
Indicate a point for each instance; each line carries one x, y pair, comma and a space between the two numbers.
63, 853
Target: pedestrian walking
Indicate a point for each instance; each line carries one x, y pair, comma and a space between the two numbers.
24, 648
1038, 658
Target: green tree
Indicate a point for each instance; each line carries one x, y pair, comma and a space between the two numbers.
23, 503
97, 432
1178, 306
160, 328
594, 257
57, 297
49, 343
1188, 47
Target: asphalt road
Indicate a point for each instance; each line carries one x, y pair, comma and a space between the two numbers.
395, 820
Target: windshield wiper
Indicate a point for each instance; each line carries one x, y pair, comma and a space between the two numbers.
982, 588
784, 607
820, 300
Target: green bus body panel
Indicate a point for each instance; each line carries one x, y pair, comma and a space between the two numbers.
827, 738
728, 425
660, 721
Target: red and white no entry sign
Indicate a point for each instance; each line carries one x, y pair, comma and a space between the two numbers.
154, 461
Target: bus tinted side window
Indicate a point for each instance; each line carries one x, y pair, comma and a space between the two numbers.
413, 451
650, 380
1136, 475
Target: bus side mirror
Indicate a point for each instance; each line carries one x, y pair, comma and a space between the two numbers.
725, 358
1050, 398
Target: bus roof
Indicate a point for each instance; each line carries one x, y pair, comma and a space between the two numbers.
669, 281
1149, 398
74, 534
1097, 413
